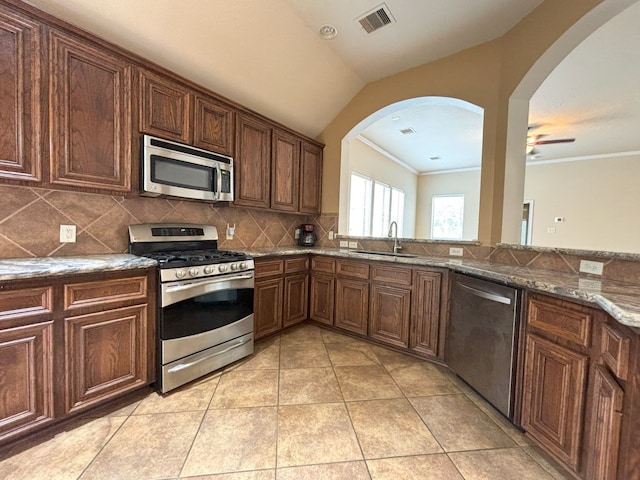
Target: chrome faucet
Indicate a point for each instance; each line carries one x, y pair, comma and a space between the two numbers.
396, 242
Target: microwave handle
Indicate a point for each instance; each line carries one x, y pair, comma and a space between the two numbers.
218, 181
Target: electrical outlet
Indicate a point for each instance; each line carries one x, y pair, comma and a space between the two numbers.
353, 244
298, 232
67, 233
330, 234
344, 244
551, 230
456, 251
594, 268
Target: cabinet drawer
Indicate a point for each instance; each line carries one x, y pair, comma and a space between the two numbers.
97, 294
323, 264
352, 269
558, 318
614, 347
292, 265
269, 268
25, 302
391, 275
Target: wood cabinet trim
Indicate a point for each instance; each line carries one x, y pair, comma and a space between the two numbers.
268, 268
214, 125
104, 292
614, 347
322, 298
352, 305
562, 319
296, 299
26, 302
352, 269
389, 322
294, 265
323, 264
386, 274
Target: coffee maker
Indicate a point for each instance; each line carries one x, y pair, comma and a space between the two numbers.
307, 237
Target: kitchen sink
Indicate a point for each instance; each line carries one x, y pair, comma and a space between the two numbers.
386, 254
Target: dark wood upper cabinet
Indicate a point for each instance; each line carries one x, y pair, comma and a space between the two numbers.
252, 169
165, 107
90, 109
20, 99
310, 178
214, 126
285, 171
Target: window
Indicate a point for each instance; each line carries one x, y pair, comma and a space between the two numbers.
360, 205
447, 217
371, 214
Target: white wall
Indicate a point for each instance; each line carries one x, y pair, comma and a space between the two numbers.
367, 161
599, 199
467, 183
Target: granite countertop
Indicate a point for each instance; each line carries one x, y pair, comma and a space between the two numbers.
39, 267
618, 299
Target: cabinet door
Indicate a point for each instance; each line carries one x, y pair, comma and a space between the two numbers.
390, 310
296, 299
285, 170
105, 355
352, 305
322, 299
252, 168
606, 418
26, 380
166, 107
213, 126
20, 100
267, 307
554, 396
90, 116
310, 178
425, 311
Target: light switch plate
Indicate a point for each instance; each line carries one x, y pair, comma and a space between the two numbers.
344, 244
353, 244
456, 251
330, 234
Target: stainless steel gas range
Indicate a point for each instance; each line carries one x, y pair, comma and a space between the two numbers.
205, 317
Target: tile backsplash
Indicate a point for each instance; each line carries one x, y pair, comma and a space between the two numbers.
30, 220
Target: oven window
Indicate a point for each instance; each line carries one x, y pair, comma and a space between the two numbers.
205, 312
169, 171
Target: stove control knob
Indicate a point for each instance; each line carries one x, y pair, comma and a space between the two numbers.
234, 266
223, 268
193, 272
243, 265
180, 273
209, 269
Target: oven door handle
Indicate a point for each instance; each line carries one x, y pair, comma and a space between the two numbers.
182, 366
188, 286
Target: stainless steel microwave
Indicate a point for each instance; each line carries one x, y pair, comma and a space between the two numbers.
181, 171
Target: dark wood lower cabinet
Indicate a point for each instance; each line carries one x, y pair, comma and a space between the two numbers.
26, 381
352, 305
555, 382
321, 304
425, 312
105, 355
390, 313
71, 343
606, 405
296, 299
267, 304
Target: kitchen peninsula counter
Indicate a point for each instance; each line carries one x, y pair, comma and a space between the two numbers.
620, 300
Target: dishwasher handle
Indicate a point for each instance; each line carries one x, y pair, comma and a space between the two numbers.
486, 295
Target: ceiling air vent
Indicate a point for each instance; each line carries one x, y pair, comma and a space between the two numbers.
407, 131
376, 19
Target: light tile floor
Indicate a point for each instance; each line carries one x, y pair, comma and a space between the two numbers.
308, 404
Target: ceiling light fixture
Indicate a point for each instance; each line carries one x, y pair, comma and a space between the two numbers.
328, 32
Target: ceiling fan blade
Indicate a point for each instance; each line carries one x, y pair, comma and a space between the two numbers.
549, 142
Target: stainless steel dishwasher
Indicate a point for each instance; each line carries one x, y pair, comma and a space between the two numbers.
482, 338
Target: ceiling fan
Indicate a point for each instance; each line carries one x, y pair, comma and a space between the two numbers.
533, 140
